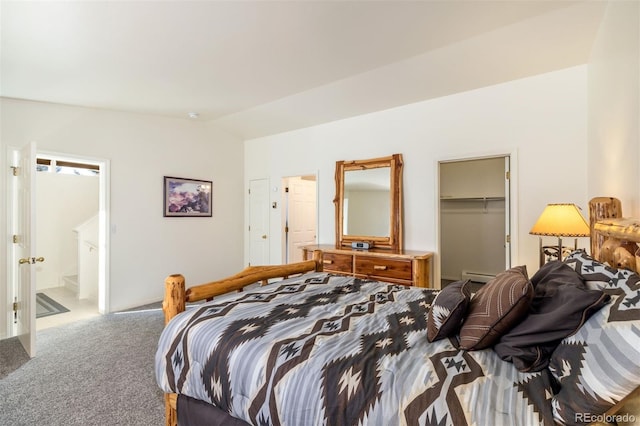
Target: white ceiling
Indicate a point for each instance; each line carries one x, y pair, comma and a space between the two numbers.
262, 67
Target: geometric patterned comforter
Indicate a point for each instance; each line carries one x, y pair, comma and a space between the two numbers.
323, 349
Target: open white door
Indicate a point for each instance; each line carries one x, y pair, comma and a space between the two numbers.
23, 258
507, 211
300, 229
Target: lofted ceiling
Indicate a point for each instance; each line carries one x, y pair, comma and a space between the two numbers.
263, 67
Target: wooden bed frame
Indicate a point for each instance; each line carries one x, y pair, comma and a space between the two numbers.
176, 296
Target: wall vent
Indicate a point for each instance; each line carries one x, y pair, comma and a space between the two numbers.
478, 277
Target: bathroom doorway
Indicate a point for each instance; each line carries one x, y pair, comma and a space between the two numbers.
299, 215
68, 235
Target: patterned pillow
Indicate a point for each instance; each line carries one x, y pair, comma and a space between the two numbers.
448, 310
600, 364
496, 307
612, 281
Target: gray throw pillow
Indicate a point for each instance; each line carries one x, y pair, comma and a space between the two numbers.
448, 310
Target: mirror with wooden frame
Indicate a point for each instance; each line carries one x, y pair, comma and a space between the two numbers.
369, 202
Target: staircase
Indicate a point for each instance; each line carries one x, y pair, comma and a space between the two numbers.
70, 282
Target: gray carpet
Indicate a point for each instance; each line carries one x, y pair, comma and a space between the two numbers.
12, 356
94, 372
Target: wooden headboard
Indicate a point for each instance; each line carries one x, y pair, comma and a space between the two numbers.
620, 237
614, 240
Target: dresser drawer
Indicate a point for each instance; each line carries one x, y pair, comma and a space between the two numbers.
384, 267
335, 262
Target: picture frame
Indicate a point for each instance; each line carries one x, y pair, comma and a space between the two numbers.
187, 197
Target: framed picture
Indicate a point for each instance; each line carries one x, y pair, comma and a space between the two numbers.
187, 197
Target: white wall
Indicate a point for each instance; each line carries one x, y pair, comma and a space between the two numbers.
63, 202
145, 246
540, 121
614, 108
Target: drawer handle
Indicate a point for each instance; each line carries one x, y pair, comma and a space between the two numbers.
327, 262
379, 267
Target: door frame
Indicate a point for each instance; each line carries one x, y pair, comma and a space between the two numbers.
285, 212
511, 198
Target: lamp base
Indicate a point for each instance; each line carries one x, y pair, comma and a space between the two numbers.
558, 252
550, 253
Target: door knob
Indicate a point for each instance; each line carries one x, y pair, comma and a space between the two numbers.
264, 237
30, 260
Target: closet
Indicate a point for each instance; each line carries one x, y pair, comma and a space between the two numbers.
474, 218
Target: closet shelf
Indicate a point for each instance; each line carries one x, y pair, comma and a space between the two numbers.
471, 198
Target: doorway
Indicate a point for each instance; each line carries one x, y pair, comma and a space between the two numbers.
299, 216
67, 224
474, 219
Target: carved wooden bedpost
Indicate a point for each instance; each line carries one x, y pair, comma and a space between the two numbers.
174, 302
601, 208
170, 414
174, 297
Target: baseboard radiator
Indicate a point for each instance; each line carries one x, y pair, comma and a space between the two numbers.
478, 277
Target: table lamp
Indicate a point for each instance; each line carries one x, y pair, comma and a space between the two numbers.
560, 220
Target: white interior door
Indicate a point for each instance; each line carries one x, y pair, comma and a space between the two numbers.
301, 216
23, 253
259, 222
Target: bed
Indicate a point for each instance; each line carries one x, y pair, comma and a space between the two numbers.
316, 348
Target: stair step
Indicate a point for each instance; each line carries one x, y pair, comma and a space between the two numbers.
71, 282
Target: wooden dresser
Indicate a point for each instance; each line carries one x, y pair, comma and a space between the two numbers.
400, 267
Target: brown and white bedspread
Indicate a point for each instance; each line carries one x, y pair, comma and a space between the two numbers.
332, 350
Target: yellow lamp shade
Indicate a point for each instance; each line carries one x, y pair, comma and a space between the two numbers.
561, 220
